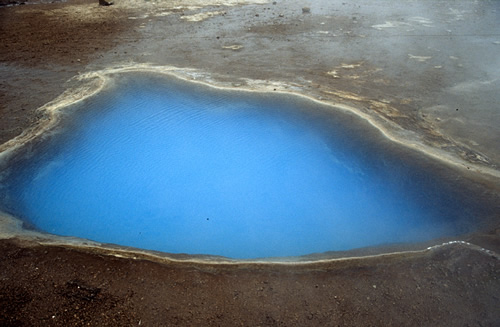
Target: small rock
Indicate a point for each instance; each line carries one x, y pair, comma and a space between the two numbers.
105, 3
306, 10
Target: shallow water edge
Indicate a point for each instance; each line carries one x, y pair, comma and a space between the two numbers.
91, 83
11, 228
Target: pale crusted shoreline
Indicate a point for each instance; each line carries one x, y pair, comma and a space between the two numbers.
92, 83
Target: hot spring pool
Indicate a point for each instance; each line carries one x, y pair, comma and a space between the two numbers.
166, 165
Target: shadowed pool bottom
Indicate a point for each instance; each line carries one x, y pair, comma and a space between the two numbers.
166, 165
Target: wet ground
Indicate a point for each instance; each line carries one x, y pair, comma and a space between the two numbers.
426, 73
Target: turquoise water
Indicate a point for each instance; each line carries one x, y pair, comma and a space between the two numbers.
180, 168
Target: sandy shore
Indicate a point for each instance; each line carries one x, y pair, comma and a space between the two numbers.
417, 93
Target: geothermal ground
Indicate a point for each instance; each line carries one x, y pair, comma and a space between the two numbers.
425, 73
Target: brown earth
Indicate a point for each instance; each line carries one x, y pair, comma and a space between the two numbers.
57, 286
44, 45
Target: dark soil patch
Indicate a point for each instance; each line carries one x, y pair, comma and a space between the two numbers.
56, 286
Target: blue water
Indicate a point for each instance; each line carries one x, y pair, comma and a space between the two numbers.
180, 168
